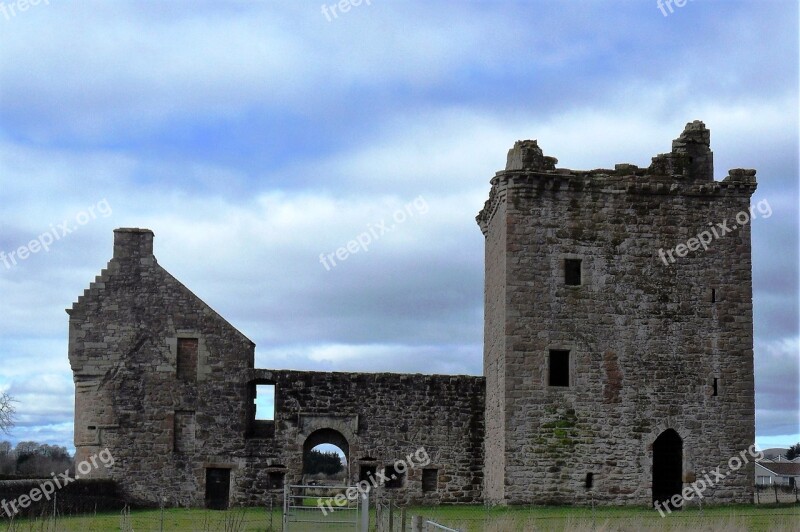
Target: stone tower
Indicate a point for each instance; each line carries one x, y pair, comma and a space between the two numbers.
618, 333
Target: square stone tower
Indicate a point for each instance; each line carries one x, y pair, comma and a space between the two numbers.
618, 329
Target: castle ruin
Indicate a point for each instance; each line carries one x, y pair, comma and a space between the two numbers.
611, 366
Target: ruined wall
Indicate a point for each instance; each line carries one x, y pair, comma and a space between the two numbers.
124, 334
645, 339
383, 417
167, 386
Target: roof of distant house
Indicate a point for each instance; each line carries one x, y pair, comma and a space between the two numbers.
782, 468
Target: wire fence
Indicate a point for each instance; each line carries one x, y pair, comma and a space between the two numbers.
388, 516
776, 494
268, 517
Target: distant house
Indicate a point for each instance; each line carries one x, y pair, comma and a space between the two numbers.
780, 473
775, 454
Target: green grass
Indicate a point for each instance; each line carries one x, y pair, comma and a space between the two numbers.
509, 519
469, 518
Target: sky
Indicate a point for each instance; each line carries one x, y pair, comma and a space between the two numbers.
257, 138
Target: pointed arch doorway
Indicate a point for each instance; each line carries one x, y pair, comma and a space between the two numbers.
667, 467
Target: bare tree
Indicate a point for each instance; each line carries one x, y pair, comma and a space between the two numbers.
7, 412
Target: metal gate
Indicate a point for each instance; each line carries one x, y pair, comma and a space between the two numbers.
309, 508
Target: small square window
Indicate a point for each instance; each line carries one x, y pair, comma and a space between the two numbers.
559, 368
276, 480
572, 272
394, 479
367, 473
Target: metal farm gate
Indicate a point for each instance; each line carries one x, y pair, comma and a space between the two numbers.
311, 508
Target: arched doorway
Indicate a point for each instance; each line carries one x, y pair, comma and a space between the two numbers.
327, 442
667, 467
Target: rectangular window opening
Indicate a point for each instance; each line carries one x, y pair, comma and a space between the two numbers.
713, 295
394, 479
572, 272
276, 480
430, 479
715, 387
589, 480
367, 473
186, 369
559, 367
265, 402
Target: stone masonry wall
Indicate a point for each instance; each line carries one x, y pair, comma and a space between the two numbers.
167, 386
646, 338
383, 417
123, 339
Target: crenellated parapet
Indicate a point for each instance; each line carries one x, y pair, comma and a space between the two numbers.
686, 171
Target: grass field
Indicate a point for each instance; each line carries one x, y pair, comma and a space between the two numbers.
467, 518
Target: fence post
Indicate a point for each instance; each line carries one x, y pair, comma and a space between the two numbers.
403, 520
776, 492
365, 513
416, 523
391, 515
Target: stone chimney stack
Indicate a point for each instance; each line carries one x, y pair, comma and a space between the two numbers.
133, 243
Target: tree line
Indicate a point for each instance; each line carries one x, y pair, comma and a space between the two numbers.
33, 460
28, 459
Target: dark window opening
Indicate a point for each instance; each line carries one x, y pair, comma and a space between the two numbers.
572, 272
589, 480
276, 480
186, 369
559, 367
713, 295
715, 387
430, 479
367, 472
394, 479
91, 427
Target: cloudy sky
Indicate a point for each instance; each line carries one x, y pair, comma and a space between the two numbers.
253, 137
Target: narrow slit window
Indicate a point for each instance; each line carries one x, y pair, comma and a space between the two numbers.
265, 402
559, 368
589, 480
715, 387
713, 295
572, 272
